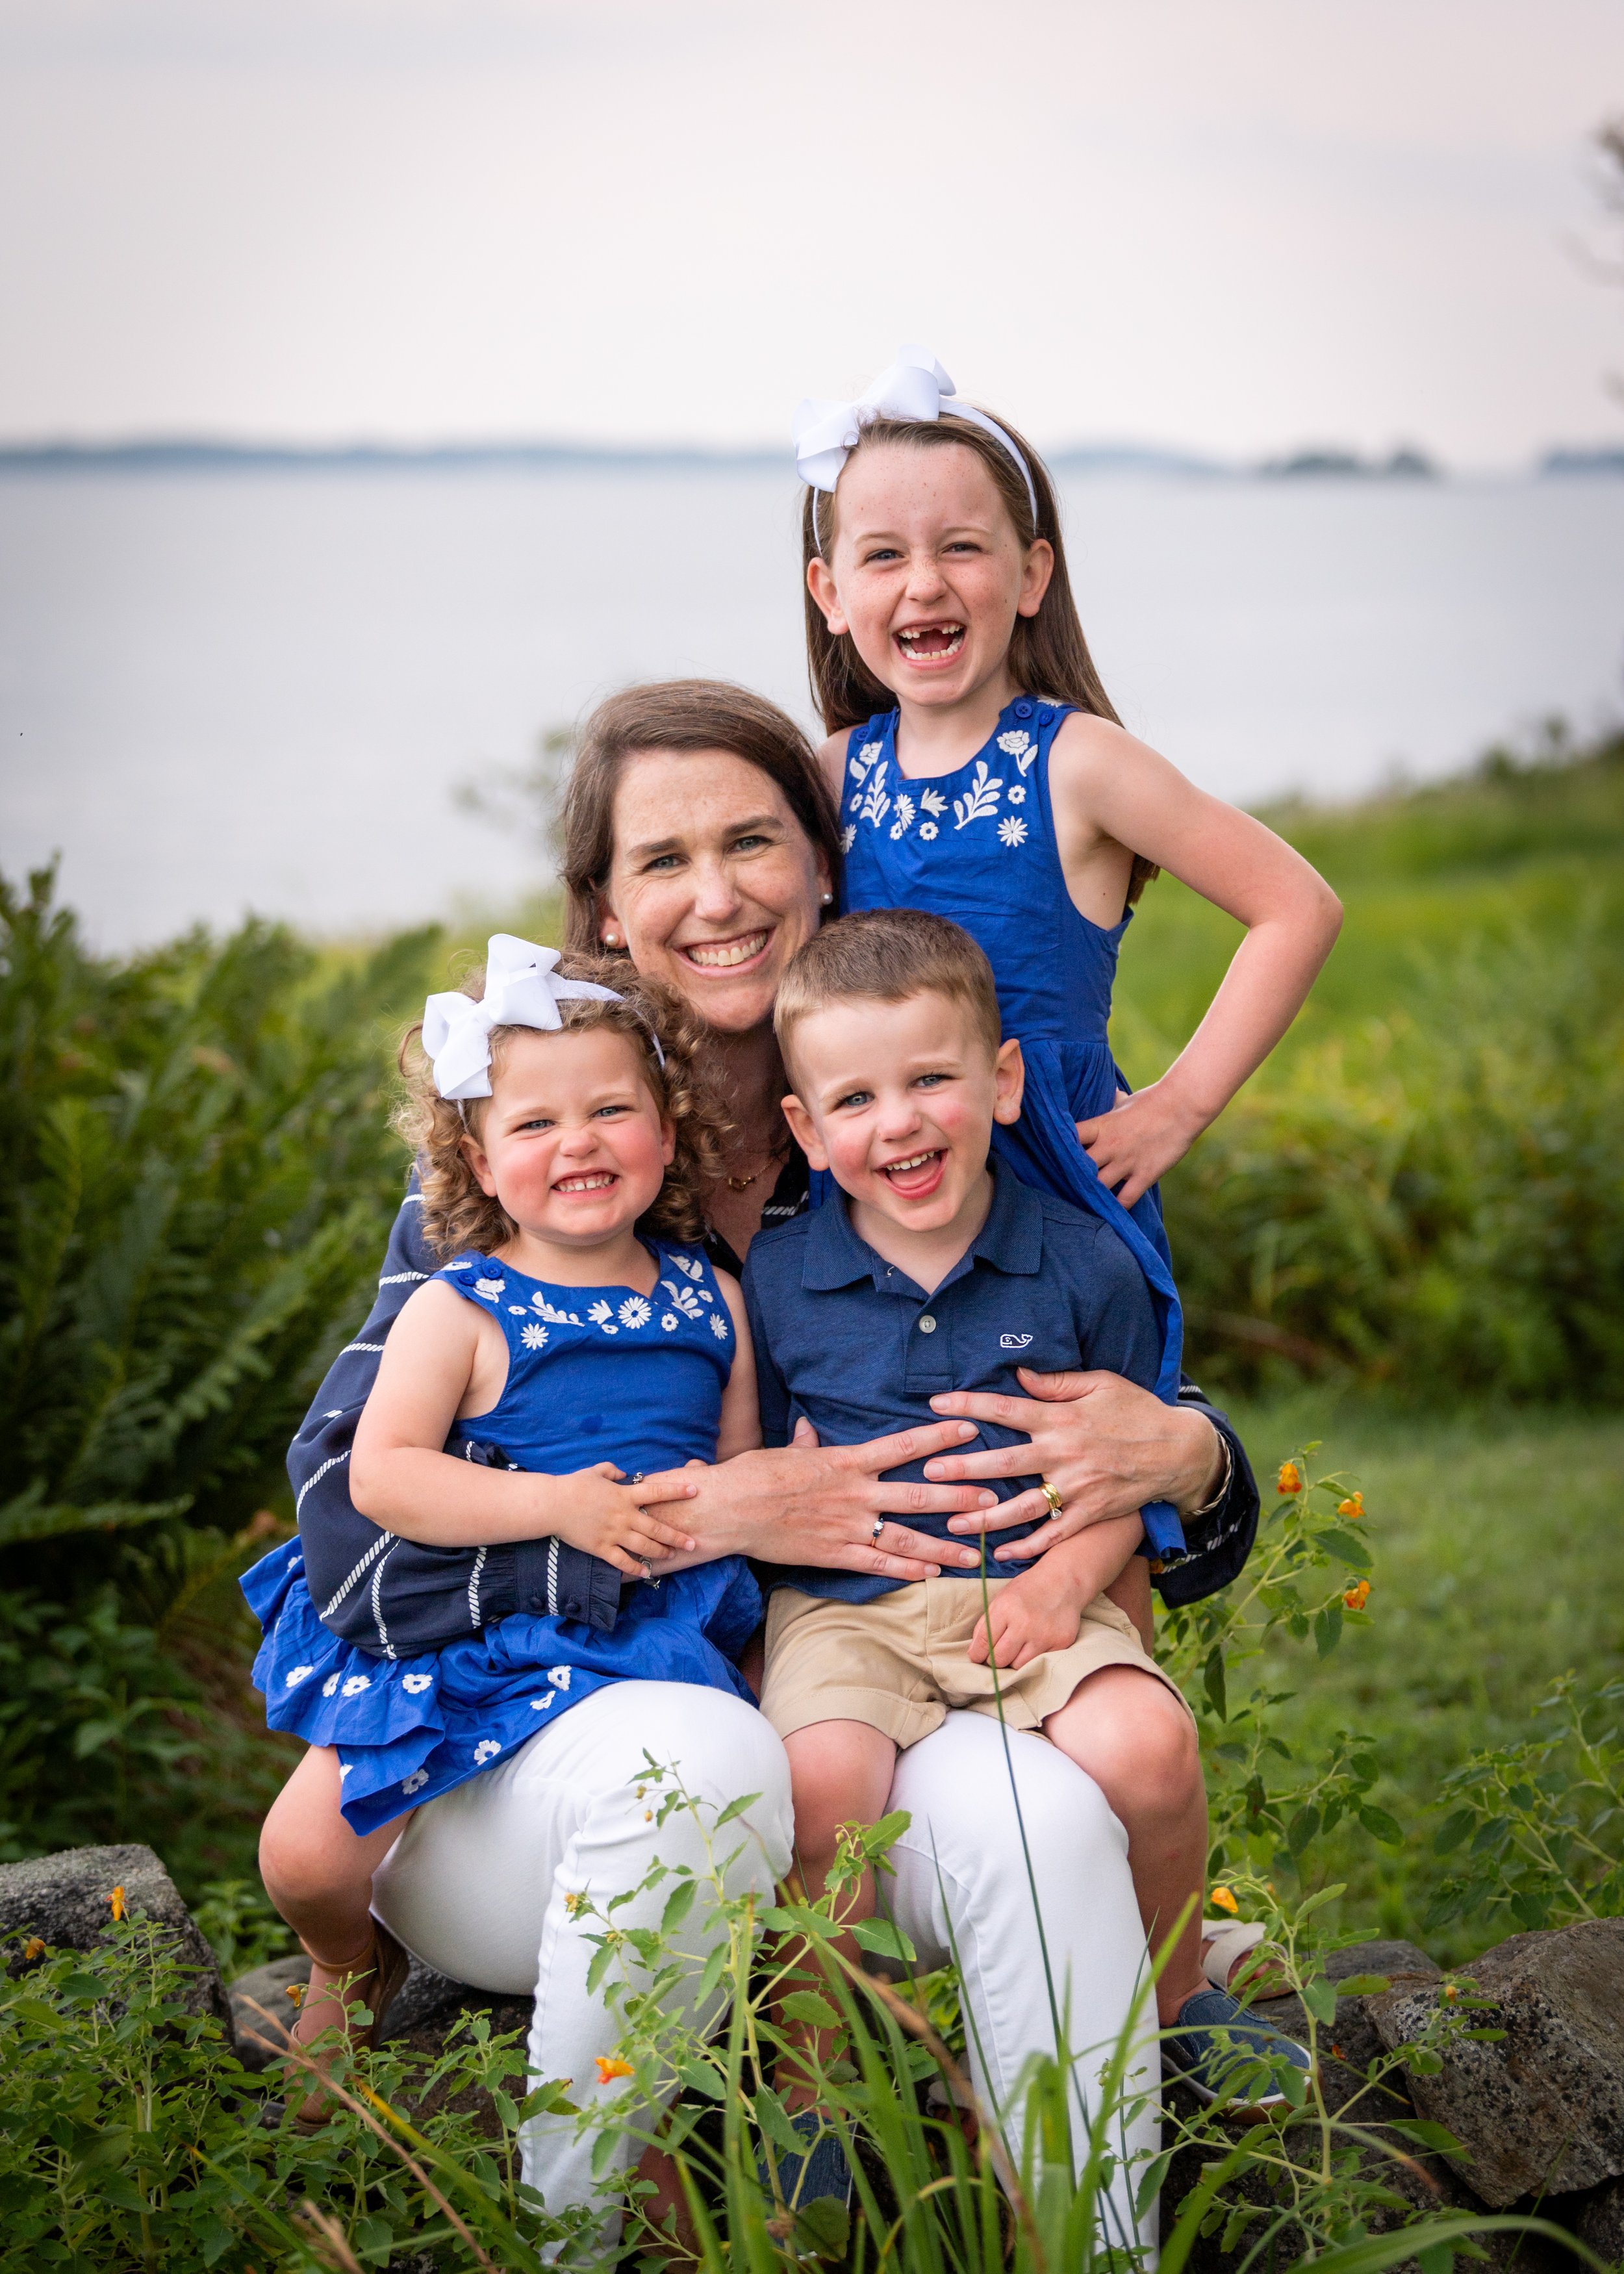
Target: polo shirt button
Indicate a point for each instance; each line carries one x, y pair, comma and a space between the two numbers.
1023, 709
927, 1325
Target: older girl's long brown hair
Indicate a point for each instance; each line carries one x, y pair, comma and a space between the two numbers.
1048, 655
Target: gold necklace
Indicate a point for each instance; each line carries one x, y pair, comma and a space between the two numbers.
743, 1183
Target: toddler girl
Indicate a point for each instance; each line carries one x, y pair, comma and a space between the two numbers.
982, 776
575, 1339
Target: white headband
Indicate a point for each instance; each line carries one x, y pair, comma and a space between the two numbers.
915, 387
521, 989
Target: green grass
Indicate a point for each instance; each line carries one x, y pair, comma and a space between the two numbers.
1500, 1564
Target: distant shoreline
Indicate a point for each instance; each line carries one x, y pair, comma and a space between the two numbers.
184, 453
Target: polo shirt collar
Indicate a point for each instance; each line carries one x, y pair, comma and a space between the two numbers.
1011, 1240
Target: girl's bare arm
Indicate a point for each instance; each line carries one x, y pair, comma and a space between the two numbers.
402, 1478
1115, 796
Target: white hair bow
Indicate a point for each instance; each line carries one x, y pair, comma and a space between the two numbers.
914, 386
522, 988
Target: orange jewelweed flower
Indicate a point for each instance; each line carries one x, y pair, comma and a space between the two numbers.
1357, 1596
1223, 1901
33, 1948
1290, 1478
116, 1900
1353, 1506
608, 2068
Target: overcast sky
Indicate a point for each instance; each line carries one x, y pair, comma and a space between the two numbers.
1239, 225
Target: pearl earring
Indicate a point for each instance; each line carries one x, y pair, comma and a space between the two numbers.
828, 897
611, 940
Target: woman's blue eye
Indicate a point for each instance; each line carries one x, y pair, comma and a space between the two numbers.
749, 843
661, 861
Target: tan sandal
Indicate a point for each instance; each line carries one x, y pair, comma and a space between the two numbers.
386, 1964
1231, 1947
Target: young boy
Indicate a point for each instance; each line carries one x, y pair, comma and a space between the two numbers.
927, 1271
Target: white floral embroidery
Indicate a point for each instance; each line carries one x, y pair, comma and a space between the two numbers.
1015, 743
718, 1326
926, 829
415, 1781
329, 1688
345, 1771
634, 1312
534, 1338
859, 766
848, 835
931, 801
601, 1315
905, 817
690, 1266
489, 1288
559, 1677
1017, 795
669, 1320
682, 1298
980, 799
416, 1684
357, 1683
541, 1705
551, 1313
463, 1264
298, 1674
1027, 761
1014, 832
486, 1750
855, 807
876, 805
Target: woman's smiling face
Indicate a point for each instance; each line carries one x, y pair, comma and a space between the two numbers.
713, 884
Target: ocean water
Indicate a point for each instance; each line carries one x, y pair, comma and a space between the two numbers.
230, 689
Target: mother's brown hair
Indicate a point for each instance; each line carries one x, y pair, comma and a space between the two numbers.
1048, 655
678, 714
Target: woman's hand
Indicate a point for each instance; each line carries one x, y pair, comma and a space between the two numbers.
811, 1503
1138, 1141
1105, 1445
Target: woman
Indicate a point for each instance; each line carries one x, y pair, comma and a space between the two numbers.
701, 844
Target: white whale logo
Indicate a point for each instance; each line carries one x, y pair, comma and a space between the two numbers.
1013, 1342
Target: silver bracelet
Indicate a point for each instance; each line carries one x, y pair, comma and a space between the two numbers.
1215, 1501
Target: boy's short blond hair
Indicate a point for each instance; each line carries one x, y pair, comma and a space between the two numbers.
888, 955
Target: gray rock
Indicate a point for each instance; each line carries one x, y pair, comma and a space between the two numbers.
1600, 2222
64, 1900
1543, 2111
267, 1987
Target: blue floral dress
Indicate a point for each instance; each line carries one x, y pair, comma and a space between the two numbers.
594, 1373
978, 845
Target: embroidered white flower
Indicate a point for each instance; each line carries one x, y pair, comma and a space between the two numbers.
855, 807
926, 829
718, 1326
489, 1288
298, 1674
415, 1781
357, 1683
1015, 743
517, 1309
690, 1266
876, 805
849, 836
416, 1684
534, 1338
601, 1315
1017, 795
486, 1750
905, 817
462, 1263
669, 1321
634, 1312
980, 799
541, 1705
683, 1299
551, 1313
931, 801
559, 1677
345, 1771
1027, 761
1014, 832
329, 1688
858, 766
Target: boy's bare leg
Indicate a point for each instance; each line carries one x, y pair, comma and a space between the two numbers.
840, 1773
1130, 1735
1130, 1591
318, 1873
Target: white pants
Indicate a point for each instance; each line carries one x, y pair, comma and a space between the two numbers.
476, 1887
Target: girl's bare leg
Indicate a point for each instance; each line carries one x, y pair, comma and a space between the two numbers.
318, 1873
840, 1773
1130, 1735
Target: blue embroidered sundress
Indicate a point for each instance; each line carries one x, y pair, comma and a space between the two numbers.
978, 845
594, 1373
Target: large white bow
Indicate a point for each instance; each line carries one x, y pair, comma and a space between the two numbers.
914, 386
521, 989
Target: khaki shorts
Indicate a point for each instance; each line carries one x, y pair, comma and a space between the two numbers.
901, 1662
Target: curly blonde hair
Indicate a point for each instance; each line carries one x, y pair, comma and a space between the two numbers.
458, 1214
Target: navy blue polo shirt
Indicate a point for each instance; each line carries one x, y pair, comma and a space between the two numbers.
850, 1341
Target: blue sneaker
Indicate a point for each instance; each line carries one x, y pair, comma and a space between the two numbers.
1227, 2057
823, 2171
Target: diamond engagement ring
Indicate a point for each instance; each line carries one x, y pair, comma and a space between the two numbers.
878, 1526
1049, 1494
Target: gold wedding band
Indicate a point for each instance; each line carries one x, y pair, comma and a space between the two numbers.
1049, 1494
